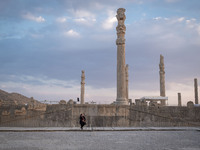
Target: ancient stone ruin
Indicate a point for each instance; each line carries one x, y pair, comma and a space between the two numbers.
146, 111
162, 79
126, 71
121, 76
179, 99
196, 91
82, 87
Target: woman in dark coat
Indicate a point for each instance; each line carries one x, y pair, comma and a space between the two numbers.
82, 121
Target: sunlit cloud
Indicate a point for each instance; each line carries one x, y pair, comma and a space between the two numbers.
82, 13
157, 18
30, 16
110, 21
181, 19
83, 17
72, 33
84, 21
61, 19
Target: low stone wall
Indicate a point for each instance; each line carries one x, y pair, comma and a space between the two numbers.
65, 115
164, 116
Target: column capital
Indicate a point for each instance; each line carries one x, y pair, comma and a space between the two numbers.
121, 15
120, 41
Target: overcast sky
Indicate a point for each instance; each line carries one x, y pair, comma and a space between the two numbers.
44, 45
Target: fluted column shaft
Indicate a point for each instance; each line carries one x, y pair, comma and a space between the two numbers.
196, 91
83, 87
126, 71
120, 42
162, 79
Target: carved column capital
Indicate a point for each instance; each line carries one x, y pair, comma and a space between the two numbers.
121, 14
121, 28
120, 41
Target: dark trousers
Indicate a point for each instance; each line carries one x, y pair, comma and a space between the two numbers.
82, 124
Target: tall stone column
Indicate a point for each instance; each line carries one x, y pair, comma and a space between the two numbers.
162, 79
120, 42
126, 72
196, 91
83, 87
179, 99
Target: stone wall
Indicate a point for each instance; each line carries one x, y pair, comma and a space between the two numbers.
66, 115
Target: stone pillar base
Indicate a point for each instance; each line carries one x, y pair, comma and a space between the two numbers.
163, 103
121, 101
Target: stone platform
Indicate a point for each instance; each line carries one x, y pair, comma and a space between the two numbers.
67, 129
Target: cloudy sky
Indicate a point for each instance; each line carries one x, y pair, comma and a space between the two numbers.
44, 45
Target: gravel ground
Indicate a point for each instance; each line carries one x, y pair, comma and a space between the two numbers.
101, 140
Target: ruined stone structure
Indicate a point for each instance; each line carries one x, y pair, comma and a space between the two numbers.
126, 71
83, 87
150, 101
62, 102
120, 42
162, 79
179, 99
146, 112
196, 91
67, 115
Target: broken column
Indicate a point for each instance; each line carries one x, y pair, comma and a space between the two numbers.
120, 42
162, 79
179, 99
196, 91
126, 72
82, 87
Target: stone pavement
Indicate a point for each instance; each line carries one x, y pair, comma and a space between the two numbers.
103, 139
55, 129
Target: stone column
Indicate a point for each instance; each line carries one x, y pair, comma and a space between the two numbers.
162, 79
120, 42
196, 91
82, 87
179, 99
126, 72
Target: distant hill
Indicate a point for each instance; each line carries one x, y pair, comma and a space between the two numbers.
15, 99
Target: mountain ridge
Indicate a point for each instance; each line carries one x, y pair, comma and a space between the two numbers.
15, 98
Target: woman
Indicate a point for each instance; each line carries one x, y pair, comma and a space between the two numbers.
82, 121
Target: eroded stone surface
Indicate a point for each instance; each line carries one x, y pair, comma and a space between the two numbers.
196, 91
179, 99
120, 42
162, 79
82, 87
